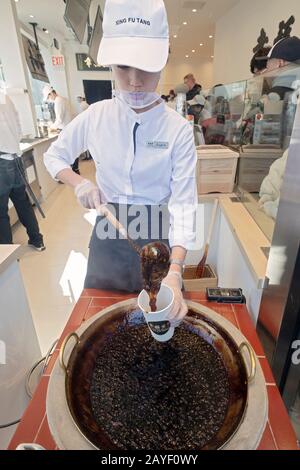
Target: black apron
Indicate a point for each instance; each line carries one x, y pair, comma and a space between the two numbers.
113, 264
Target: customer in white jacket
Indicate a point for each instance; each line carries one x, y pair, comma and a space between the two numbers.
271, 186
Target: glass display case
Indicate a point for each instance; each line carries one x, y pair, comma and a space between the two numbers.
256, 117
222, 116
266, 133
279, 317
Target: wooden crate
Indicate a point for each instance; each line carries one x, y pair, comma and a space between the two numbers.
216, 169
191, 283
254, 165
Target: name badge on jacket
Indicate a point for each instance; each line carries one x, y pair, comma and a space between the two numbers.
152, 144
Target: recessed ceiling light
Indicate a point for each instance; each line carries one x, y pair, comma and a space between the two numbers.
201, 44
210, 36
185, 23
46, 30
194, 10
193, 50
31, 16
187, 56
212, 56
175, 36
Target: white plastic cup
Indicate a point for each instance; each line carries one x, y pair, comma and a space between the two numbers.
158, 323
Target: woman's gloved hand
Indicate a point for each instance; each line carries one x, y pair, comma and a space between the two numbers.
88, 194
179, 310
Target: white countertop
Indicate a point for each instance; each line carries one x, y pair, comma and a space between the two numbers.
9, 254
28, 146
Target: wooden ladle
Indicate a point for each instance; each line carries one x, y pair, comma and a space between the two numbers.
155, 257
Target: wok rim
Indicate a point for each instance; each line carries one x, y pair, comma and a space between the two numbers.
129, 306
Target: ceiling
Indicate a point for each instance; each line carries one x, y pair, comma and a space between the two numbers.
200, 24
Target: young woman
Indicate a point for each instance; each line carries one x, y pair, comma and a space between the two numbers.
144, 152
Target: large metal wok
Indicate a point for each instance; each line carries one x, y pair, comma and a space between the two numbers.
81, 362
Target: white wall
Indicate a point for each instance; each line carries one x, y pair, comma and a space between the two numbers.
14, 66
67, 81
176, 70
232, 268
57, 77
75, 78
237, 32
18, 333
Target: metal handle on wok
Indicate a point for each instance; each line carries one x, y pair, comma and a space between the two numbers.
252, 372
63, 347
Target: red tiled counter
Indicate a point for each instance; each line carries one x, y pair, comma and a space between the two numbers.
279, 433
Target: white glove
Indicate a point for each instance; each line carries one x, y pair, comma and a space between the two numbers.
88, 194
179, 310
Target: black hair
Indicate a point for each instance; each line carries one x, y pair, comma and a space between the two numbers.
259, 60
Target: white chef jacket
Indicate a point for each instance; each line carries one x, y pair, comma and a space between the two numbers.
148, 158
62, 112
10, 129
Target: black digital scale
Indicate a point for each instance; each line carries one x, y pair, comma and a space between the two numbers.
224, 295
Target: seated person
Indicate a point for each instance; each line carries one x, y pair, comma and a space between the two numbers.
285, 53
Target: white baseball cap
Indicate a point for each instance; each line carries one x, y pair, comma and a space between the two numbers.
135, 34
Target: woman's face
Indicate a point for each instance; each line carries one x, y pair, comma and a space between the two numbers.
131, 79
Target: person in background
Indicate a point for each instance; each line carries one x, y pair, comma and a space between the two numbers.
194, 88
193, 97
172, 95
205, 110
258, 64
12, 184
61, 108
221, 103
172, 99
165, 98
62, 114
285, 87
284, 53
83, 105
